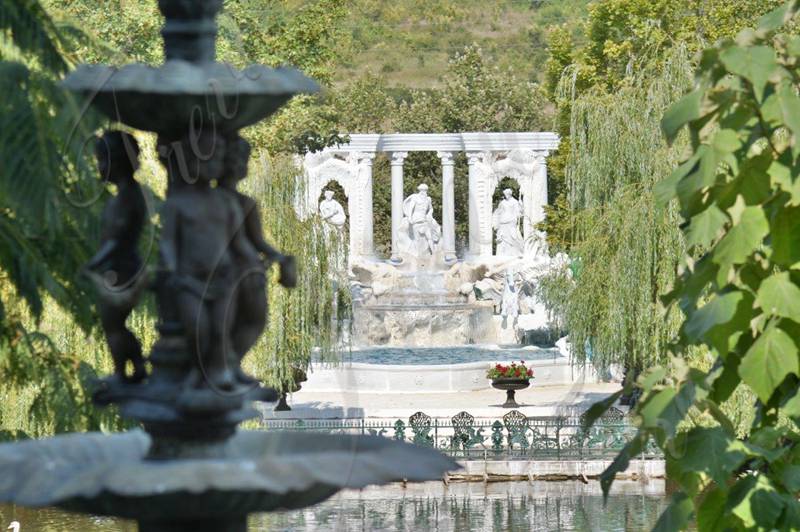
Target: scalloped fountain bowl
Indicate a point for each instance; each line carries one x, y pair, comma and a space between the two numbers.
109, 475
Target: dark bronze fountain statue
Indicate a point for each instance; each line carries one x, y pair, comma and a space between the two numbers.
191, 469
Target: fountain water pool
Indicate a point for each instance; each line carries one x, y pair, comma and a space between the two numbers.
439, 369
537, 506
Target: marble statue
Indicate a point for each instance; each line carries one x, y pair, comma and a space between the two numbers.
419, 231
505, 220
116, 269
509, 305
251, 296
331, 211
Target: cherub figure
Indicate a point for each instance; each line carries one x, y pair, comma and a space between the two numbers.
116, 269
250, 296
198, 250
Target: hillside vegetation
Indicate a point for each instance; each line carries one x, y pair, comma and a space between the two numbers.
411, 42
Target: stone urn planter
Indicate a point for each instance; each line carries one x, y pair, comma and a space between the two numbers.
298, 376
510, 378
510, 386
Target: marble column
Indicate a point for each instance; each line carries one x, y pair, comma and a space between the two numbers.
448, 206
473, 158
535, 195
398, 158
365, 181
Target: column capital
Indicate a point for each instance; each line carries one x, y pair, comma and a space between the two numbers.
475, 157
446, 157
361, 157
398, 157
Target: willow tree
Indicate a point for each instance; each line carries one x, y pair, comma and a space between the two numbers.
301, 320
626, 247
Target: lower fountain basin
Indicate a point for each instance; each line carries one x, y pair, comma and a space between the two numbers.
445, 370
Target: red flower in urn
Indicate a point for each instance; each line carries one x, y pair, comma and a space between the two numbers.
511, 371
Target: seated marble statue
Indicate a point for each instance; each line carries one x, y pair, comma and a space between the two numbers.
505, 220
419, 232
331, 211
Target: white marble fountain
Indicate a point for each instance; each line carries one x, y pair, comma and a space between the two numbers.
424, 296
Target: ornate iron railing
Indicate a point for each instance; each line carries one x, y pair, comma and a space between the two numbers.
514, 436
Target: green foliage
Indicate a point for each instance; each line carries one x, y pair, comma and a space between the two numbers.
627, 247
47, 183
735, 289
301, 321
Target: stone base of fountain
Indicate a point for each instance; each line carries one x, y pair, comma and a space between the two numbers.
422, 324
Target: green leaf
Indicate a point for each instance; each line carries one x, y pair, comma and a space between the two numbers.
777, 18
779, 295
790, 477
706, 227
712, 451
754, 500
792, 407
632, 449
790, 107
599, 408
711, 513
719, 310
682, 112
785, 237
743, 238
755, 63
780, 173
768, 362
667, 408
677, 514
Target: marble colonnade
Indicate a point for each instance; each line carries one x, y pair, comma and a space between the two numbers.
490, 156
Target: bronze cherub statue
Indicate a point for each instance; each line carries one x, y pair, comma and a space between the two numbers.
116, 269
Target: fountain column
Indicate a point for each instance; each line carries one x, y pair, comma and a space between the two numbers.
398, 158
448, 206
535, 196
473, 158
365, 180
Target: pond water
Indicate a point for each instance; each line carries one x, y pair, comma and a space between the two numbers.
512, 506
447, 355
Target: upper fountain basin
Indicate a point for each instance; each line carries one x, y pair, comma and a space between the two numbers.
182, 94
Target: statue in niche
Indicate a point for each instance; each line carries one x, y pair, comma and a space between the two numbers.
250, 297
334, 218
201, 251
116, 269
331, 211
505, 220
419, 232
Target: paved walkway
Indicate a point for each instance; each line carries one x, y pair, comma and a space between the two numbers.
535, 401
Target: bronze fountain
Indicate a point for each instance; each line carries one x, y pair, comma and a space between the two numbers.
191, 468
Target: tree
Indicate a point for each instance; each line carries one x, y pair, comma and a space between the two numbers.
738, 288
48, 218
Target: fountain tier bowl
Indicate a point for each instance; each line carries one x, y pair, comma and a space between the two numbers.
109, 475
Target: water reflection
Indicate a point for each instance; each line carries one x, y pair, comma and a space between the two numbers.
545, 506
538, 506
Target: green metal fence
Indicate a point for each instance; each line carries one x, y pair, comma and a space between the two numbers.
514, 436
